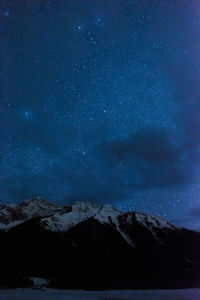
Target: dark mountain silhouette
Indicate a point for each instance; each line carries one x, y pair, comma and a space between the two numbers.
96, 247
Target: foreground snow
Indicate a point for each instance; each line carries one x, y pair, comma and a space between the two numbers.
50, 294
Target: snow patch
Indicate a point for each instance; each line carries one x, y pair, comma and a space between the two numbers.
39, 282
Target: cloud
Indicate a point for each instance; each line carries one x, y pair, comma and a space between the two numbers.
148, 159
116, 170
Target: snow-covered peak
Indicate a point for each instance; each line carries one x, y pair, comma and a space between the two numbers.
74, 214
79, 212
146, 220
152, 222
36, 207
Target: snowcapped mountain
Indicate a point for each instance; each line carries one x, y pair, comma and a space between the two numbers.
88, 245
59, 219
55, 218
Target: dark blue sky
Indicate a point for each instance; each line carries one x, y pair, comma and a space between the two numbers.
100, 101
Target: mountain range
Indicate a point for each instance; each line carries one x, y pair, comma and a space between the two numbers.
85, 245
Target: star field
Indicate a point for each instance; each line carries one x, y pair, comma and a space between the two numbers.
100, 101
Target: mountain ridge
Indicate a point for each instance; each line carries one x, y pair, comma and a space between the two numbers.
38, 206
85, 245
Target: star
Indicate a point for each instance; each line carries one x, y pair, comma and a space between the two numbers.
107, 94
81, 27
6, 13
27, 115
99, 21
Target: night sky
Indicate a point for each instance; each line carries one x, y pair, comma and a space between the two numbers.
100, 101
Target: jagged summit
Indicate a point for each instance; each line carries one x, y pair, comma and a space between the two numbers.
36, 207
57, 218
